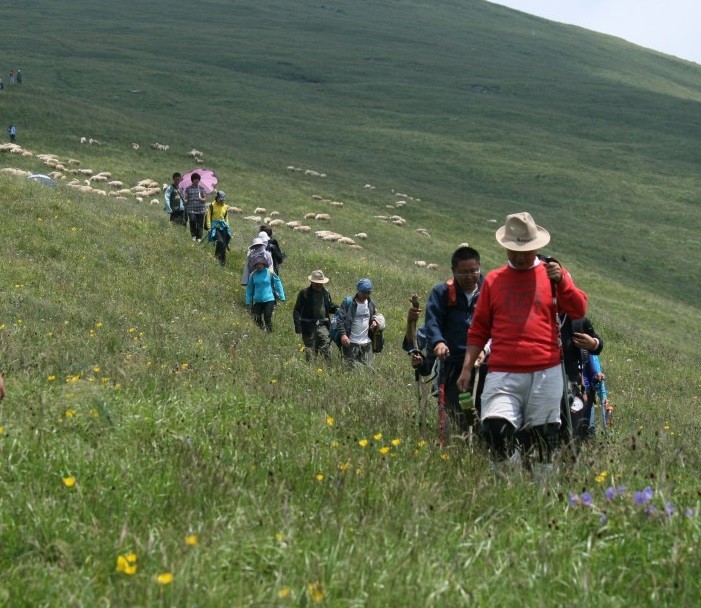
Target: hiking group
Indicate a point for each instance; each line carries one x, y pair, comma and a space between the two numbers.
513, 357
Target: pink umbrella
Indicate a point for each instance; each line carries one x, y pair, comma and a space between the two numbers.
208, 180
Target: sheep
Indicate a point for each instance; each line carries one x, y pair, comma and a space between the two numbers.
266, 220
26, 153
155, 201
115, 184
312, 173
85, 171
303, 228
86, 182
274, 213
124, 191
260, 210
299, 169
274, 223
369, 187
148, 183
113, 194
235, 210
317, 197
400, 203
361, 235
390, 206
199, 161
164, 187
332, 237
139, 199
99, 178
94, 142
322, 234
400, 195
57, 175
423, 232
121, 198
83, 140
293, 224
106, 174
73, 161
85, 188
322, 174
398, 222
161, 147
135, 146
74, 182
253, 218
432, 266
336, 204
492, 221
17, 172
310, 216
345, 240
100, 192
291, 168
322, 216
356, 247
384, 218
420, 263
195, 153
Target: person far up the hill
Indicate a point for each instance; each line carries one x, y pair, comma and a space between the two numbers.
518, 310
173, 202
195, 206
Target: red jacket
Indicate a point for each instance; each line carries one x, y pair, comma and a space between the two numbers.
515, 309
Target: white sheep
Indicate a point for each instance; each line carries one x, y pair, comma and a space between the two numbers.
463, 245
253, 218
369, 187
83, 140
235, 210
317, 197
345, 240
85, 171
274, 223
155, 201
291, 168
356, 247
309, 216
432, 266
73, 161
322, 216
115, 184
293, 224
361, 235
139, 199
94, 142
303, 228
135, 146
260, 210
336, 204
420, 263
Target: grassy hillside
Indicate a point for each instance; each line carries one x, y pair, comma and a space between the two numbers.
146, 414
473, 107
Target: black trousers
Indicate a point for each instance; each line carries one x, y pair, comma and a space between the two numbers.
196, 225
263, 314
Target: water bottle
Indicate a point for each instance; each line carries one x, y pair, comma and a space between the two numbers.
466, 402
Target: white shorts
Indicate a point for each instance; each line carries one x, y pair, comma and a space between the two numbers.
525, 400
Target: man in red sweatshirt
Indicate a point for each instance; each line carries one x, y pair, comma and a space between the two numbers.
516, 310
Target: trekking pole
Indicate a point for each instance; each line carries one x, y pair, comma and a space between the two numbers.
565, 383
411, 336
441, 404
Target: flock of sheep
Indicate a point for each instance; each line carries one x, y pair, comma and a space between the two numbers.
86, 180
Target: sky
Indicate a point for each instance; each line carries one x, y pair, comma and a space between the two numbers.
668, 26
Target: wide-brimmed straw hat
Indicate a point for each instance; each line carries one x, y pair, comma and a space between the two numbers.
317, 276
520, 233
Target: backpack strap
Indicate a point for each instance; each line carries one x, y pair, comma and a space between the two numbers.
451, 293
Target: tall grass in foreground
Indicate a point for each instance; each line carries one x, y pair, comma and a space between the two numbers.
157, 449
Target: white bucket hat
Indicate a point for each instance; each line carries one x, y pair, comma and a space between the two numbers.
520, 233
318, 277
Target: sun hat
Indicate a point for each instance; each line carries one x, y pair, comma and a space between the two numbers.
221, 196
259, 259
364, 285
264, 236
317, 276
257, 241
520, 233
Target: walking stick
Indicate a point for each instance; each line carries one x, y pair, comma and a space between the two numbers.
565, 383
411, 336
441, 404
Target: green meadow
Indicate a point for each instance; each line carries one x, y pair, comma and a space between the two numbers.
157, 449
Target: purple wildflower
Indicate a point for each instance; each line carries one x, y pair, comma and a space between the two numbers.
638, 498
620, 490
586, 499
610, 493
669, 509
647, 494
573, 500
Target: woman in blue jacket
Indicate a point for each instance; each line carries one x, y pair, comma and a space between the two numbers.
263, 290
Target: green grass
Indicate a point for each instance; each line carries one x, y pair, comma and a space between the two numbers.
133, 367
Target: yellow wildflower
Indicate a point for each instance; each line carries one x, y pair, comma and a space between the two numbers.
384, 449
396, 442
126, 566
316, 592
362, 443
98, 324
445, 456
93, 412
421, 443
279, 537
52, 378
335, 444
284, 592
69, 482
191, 540
329, 420
2, 430
70, 413
377, 436
165, 579
73, 379
319, 477
601, 477
96, 369
184, 366
344, 466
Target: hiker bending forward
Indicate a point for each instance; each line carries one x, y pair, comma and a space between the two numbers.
359, 324
515, 308
311, 316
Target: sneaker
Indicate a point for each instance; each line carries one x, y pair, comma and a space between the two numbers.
198, 240
194, 238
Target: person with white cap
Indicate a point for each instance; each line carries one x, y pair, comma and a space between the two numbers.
257, 247
516, 309
311, 316
360, 326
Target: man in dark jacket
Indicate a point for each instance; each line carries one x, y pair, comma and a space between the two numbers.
448, 317
311, 316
